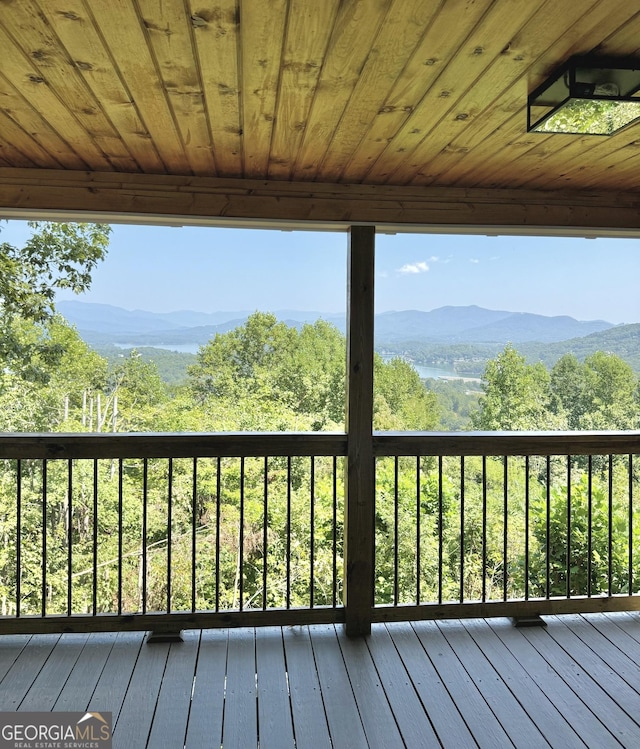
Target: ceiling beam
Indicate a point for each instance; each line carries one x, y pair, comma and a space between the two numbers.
162, 199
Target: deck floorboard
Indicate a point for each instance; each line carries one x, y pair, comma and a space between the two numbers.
452, 684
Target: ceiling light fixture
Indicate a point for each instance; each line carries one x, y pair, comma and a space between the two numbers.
587, 96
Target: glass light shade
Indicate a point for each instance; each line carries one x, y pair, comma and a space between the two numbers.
587, 97
590, 117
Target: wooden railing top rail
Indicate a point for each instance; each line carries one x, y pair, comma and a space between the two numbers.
260, 444
506, 443
166, 445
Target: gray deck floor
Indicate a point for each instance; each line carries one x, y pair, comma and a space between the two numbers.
453, 684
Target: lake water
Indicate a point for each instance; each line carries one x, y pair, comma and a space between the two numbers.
434, 373
192, 348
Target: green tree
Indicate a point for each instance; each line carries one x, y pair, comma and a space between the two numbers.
516, 395
401, 400
56, 256
567, 385
610, 393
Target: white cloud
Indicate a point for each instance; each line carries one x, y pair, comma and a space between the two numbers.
474, 260
413, 268
434, 259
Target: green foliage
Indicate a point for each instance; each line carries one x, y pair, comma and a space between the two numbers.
401, 401
457, 400
516, 395
56, 256
171, 365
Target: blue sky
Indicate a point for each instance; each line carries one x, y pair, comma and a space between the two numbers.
206, 269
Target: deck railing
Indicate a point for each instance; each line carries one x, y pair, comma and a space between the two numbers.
518, 524
166, 532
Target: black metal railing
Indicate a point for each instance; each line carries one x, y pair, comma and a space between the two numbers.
232, 527
506, 523
173, 531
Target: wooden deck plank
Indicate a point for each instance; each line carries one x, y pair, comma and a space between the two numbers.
377, 717
52, 677
412, 720
508, 710
611, 689
309, 719
615, 632
618, 651
84, 677
24, 671
172, 711
485, 726
629, 622
340, 704
275, 726
113, 683
207, 703
449, 725
10, 648
542, 709
584, 721
240, 725
133, 725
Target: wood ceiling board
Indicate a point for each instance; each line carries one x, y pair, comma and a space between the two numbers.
126, 37
346, 56
527, 52
18, 70
263, 27
444, 109
25, 24
23, 143
300, 90
449, 27
169, 29
306, 39
216, 32
75, 28
391, 50
10, 155
20, 110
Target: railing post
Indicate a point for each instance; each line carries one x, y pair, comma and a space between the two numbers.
360, 481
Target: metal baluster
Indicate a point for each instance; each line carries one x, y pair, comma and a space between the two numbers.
526, 528
44, 538
194, 513
462, 498
484, 528
505, 529
589, 523
69, 537
418, 564
396, 583
265, 512
568, 526
18, 536
312, 490
440, 532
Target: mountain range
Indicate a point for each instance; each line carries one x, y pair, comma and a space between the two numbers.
107, 324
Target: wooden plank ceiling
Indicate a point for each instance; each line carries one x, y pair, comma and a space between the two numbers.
373, 92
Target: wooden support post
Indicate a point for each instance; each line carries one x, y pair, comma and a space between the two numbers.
360, 483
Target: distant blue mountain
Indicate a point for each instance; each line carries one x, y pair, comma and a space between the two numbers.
108, 324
